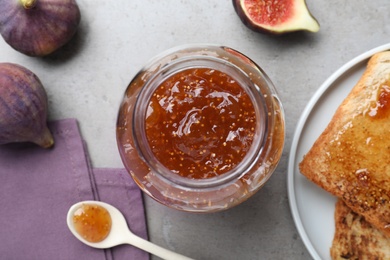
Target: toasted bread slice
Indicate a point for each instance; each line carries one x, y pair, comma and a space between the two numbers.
351, 158
355, 238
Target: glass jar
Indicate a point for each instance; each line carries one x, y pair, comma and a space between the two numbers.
196, 194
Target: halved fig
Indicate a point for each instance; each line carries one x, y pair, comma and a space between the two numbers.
276, 16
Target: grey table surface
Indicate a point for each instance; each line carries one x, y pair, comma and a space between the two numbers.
86, 80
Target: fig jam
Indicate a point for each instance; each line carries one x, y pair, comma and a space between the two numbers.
200, 123
379, 108
200, 128
92, 222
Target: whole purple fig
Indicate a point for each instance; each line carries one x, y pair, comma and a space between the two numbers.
23, 107
38, 27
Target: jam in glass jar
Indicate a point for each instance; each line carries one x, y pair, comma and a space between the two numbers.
200, 128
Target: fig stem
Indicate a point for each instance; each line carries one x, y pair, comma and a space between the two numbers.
28, 4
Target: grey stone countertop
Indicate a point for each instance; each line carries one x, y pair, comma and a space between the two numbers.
87, 78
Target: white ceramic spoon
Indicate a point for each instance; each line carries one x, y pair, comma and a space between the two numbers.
120, 233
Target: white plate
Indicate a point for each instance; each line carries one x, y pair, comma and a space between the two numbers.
313, 208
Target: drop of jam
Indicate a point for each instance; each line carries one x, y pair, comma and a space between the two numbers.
381, 107
92, 222
363, 177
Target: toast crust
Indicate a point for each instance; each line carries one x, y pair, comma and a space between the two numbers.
355, 238
351, 158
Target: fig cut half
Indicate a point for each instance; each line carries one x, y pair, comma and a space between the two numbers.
276, 16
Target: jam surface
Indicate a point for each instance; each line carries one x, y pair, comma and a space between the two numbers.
92, 222
200, 123
360, 152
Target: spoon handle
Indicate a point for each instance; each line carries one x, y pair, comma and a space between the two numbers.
154, 249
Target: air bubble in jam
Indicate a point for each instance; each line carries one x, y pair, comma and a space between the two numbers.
200, 123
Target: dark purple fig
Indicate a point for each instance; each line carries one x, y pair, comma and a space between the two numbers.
23, 107
276, 17
38, 27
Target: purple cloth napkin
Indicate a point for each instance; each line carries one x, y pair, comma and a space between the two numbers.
37, 188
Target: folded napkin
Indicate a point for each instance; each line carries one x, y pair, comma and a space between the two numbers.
37, 188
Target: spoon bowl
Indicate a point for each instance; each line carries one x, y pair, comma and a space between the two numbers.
119, 233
